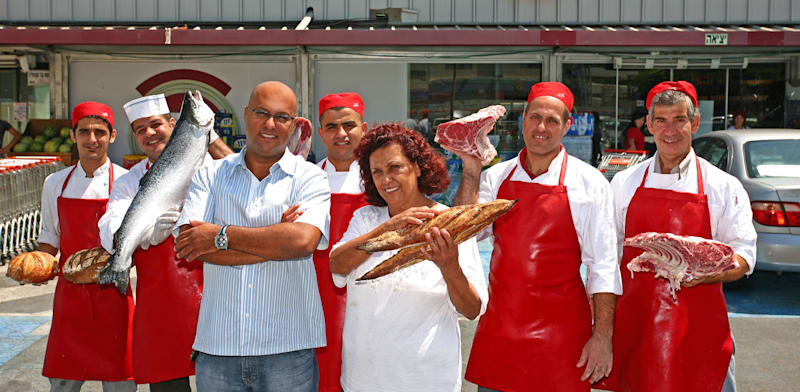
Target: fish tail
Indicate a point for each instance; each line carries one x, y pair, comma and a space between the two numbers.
108, 275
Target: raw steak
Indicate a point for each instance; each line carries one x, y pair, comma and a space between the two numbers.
468, 134
300, 141
679, 258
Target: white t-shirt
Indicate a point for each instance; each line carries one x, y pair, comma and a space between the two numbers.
401, 330
728, 203
592, 208
122, 194
343, 182
79, 187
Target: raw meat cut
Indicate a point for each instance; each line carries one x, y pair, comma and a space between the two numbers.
468, 134
680, 258
300, 141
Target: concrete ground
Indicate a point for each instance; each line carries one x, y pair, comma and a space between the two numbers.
767, 346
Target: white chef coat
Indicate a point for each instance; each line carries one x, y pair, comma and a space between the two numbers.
79, 187
728, 203
343, 182
401, 330
592, 207
122, 193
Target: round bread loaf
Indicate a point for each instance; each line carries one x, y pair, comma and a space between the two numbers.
33, 267
84, 265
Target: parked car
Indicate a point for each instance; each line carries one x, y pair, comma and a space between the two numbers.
767, 162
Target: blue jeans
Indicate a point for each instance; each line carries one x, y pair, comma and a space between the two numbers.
294, 371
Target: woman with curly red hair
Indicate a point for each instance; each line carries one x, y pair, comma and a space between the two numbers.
401, 330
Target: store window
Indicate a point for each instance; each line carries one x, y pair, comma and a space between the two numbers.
23, 97
759, 92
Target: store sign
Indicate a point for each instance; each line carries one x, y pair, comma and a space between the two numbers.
716, 39
38, 78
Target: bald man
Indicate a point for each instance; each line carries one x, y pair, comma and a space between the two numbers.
261, 315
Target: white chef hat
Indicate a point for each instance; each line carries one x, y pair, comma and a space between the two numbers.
151, 105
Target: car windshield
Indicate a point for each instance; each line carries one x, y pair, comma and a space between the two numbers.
773, 158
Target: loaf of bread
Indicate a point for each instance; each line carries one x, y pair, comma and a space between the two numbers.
84, 265
33, 267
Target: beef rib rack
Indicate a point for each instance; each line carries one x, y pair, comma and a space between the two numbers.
468, 134
679, 258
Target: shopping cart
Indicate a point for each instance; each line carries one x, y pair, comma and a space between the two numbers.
615, 161
21, 180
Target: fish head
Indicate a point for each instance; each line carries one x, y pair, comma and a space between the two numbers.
197, 111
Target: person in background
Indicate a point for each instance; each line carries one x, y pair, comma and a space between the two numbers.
90, 336
341, 118
166, 284
739, 120
401, 330
661, 344
6, 127
261, 314
540, 331
634, 137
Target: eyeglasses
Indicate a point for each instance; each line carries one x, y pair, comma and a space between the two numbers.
261, 115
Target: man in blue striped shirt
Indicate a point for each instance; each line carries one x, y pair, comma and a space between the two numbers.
261, 315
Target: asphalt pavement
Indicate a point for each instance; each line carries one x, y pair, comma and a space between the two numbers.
764, 314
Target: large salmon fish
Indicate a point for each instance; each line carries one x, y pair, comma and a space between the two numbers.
462, 222
163, 188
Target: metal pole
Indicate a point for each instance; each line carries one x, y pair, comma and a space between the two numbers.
616, 110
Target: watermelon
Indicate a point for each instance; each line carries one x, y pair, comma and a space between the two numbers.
51, 146
41, 139
65, 148
64, 133
57, 140
36, 147
26, 140
50, 131
21, 147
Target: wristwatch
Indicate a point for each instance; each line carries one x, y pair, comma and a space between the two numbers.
221, 240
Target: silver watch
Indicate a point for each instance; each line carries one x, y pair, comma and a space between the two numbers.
221, 240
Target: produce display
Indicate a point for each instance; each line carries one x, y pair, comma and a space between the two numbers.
51, 140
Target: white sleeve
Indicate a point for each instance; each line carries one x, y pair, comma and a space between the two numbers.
118, 202
469, 260
314, 197
486, 192
620, 211
212, 137
735, 226
599, 241
50, 232
197, 206
356, 228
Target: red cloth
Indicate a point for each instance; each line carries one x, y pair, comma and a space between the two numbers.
346, 100
681, 85
637, 136
90, 108
552, 89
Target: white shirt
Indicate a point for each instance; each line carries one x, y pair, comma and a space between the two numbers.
269, 307
79, 187
592, 208
401, 330
122, 193
728, 203
343, 182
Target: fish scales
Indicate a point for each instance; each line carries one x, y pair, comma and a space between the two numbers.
162, 188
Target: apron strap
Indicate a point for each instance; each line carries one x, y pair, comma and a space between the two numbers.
560, 175
700, 189
325, 162
110, 177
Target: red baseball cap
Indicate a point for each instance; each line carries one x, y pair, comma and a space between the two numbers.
346, 100
681, 85
552, 89
90, 108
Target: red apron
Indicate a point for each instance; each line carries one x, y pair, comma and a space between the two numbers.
168, 292
90, 337
537, 319
661, 345
329, 358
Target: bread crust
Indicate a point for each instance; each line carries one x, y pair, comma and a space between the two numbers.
84, 265
33, 267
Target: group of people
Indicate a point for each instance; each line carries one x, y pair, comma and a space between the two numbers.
254, 283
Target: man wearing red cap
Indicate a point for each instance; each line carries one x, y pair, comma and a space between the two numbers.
537, 332
90, 336
684, 345
341, 118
